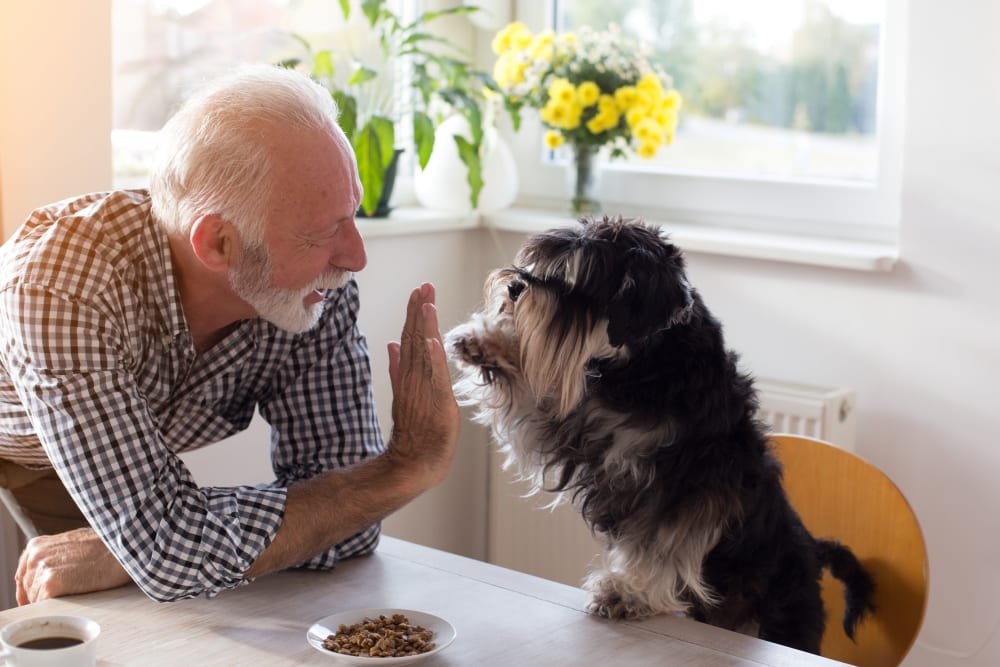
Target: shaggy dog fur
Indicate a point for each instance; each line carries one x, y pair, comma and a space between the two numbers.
605, 379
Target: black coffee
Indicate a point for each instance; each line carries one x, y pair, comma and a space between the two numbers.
50, 642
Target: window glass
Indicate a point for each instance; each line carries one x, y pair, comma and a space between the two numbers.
774, 89
162, 48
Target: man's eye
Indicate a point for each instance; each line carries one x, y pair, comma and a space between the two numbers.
514, 289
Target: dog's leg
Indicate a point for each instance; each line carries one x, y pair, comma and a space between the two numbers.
793, 614
635, 583
616, 597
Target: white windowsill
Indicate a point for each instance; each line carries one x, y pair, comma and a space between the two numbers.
814, 251
406, 220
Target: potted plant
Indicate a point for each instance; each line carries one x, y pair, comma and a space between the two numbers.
413, 73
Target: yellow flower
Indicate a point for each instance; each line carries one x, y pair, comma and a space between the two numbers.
511, 36
665, 118
598, 124
587, 93
562, 115
643, 101
646, 151
606, 104
541, 46
670, 134
648, 131
508, 70
672, 101
634, 116
625, 97
573, 116
562, 91
650, 83
554, 139
554, 113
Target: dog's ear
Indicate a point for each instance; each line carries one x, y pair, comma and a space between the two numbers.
654, 293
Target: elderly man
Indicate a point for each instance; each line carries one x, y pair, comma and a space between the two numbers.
137, 325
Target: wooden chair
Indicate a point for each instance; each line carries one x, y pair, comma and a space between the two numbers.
841, 496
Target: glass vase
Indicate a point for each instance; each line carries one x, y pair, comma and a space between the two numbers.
583, 180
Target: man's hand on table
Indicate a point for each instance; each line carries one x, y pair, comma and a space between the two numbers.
66, 564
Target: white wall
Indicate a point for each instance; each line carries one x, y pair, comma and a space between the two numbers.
55, 103
919, 344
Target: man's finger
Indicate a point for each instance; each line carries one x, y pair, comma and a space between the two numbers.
393, 349
409, 328
21, 578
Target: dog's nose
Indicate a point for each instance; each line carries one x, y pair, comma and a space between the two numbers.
514, 289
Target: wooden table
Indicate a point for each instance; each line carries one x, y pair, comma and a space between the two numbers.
502, 617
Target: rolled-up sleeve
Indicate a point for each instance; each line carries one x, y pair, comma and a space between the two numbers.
69, 364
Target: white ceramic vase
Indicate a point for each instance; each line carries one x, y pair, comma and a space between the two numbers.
443, 185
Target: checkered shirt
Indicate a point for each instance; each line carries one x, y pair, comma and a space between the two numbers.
101, 381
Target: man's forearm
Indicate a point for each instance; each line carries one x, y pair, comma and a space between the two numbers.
327, 509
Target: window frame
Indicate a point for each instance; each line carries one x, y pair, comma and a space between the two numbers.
863, 212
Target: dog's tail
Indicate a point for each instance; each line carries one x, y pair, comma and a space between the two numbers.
859, 586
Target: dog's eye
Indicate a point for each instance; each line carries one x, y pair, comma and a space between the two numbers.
514, 289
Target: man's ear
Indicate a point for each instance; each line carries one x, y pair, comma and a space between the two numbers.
214, 241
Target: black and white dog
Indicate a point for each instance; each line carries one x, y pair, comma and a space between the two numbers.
605, 378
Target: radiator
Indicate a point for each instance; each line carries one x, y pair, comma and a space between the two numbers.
555, 543
820, 412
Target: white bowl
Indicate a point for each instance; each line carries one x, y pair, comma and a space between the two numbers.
444, 634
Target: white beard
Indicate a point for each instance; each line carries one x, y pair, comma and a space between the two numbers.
282, 307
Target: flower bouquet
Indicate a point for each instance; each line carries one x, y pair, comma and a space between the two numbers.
593, 90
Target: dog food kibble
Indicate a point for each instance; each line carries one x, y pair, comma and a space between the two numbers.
381, 637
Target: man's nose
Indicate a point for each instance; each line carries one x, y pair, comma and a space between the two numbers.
351, 254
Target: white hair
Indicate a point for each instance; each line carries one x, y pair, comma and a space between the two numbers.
213, 155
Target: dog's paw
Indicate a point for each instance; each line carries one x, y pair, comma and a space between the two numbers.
617, 608
467, 349
607, 606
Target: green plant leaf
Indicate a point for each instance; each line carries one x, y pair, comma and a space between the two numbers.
348, 117
418, 37
373, 148
362, 74
423, 137
469, 153
289, 63
475, 118
514, 109
371, 9
345, 8
302, 40
323, 64
466, 106
430, 16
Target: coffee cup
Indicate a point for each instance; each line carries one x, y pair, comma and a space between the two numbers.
50, 641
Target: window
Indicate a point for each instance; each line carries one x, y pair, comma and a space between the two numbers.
791, 112
162, 48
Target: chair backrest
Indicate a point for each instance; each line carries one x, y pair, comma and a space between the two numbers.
841, 496
22, 520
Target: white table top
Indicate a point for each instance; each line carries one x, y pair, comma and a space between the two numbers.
502, 618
